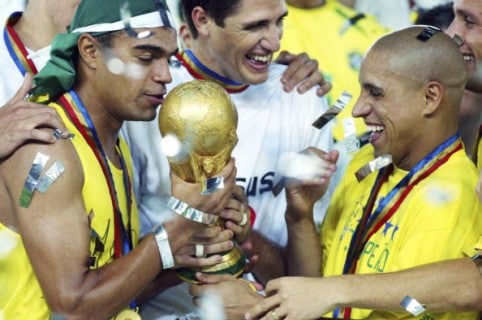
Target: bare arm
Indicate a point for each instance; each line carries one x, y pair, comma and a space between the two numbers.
304, 248
453, 285
270, 261
55, 230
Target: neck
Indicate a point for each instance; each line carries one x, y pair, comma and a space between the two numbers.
430, 143
202, 53
106, 126
201, 65
35, 29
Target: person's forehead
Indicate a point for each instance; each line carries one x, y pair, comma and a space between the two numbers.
378, 69
255, 7
163, 38
472, 6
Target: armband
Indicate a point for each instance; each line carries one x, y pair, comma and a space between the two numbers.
162, 241
412, 306
190, 213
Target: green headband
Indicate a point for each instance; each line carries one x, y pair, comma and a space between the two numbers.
95, 17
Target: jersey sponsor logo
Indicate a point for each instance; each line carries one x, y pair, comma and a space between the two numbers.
254, 186
375, 256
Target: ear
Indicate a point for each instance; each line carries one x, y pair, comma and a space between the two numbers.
434, 93
201, 20
88, 50
185, 35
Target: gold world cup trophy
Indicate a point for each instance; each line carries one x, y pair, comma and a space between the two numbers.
202, 117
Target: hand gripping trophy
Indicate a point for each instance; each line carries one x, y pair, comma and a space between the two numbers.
202, 118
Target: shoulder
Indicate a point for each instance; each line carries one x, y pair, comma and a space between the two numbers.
26, 166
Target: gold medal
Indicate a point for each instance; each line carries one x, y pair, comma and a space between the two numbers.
128, 314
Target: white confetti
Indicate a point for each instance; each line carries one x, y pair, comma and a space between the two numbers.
301, 165
7, 243
171, 145
116, 66
211, 307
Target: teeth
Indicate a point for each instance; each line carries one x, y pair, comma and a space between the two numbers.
375, 128
258, 58
468, 58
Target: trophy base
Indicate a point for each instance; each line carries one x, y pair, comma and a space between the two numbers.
233, 262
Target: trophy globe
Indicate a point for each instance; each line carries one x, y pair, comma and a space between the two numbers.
201, 116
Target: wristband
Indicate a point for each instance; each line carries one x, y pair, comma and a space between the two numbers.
414, 307
190, 213
162, 241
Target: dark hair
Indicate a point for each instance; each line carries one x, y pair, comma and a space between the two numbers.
216, 9
107, 39
440, 16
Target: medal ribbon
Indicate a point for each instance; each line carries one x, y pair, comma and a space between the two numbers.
200, 71
81, 119
387, 206
16, 48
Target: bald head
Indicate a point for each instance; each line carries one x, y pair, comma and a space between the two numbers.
412, 82
421, 55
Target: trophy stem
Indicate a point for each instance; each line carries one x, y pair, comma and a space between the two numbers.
233, 262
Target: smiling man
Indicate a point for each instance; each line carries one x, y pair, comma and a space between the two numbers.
387, 220
418, 210
233, 43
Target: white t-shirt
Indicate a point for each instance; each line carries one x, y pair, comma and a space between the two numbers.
11, 78
271, 122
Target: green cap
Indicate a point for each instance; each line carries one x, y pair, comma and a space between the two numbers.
94, 17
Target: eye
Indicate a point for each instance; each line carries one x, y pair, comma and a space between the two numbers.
146, 57
469, 21
255, 26
376, 93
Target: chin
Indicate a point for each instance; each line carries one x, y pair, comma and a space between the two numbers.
257, 78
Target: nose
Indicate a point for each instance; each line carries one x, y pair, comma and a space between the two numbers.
161, 71
455, 28
361, 108
271, 39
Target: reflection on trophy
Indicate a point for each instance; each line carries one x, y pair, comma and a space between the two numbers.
203, 118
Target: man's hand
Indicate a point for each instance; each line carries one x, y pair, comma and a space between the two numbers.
302, 73
214, 203
237, 216
302, 193
295, 298
21, 121
214, 241
237, 295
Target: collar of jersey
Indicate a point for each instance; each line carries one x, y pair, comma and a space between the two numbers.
200, 71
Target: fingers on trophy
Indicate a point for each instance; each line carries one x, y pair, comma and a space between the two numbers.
199, 120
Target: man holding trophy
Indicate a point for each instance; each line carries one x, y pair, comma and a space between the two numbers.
234, 47
199, 120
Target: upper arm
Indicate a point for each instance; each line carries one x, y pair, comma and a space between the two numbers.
54, 226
